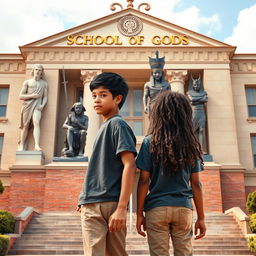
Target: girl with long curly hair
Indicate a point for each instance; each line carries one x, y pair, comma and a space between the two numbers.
170, 161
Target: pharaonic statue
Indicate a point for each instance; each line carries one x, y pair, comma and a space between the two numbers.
34, 96
76, 124
156, 84
198, 97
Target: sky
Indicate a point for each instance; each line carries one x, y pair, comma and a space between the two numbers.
229, 21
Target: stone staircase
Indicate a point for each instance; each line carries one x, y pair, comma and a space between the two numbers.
60, 234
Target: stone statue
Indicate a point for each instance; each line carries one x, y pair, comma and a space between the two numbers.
76, 124
198, 97
156, 84
34, 96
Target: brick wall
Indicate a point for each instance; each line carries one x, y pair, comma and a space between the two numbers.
4, 199
233, 189
210, 179
27, 189
62, 189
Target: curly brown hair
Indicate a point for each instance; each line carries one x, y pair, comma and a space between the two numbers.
173, 143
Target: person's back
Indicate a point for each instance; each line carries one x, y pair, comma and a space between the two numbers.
111, 171
170, 160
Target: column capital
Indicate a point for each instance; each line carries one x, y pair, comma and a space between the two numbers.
177, 76
88, 74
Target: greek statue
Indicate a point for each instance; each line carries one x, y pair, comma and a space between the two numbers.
34, 96
156, 84
198, 97
76, 124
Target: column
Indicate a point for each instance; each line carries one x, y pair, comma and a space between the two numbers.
177, 79
94, 120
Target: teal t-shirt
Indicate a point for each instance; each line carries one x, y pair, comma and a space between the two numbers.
171, 189
103, 178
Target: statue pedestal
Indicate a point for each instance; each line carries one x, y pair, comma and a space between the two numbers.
29, 158
71, 159
207, 158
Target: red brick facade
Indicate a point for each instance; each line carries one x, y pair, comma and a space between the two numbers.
58, 189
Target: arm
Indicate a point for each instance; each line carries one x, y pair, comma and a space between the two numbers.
84, 124
24, 95
198, 200
145, 98
44, 99
117, 220
142, 191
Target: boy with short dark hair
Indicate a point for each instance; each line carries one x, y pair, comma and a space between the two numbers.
111, 171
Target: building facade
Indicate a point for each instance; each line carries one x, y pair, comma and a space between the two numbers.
121, 43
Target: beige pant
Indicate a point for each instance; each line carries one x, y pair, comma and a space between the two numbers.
97, 240
165, 221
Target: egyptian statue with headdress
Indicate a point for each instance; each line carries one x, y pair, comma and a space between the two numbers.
198, 97
156, 84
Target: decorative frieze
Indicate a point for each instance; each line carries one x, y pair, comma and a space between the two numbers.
12, 66
243, 66
120, 54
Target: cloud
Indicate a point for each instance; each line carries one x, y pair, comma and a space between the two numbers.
31, 21
244, 33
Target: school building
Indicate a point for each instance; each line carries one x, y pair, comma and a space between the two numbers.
122, 42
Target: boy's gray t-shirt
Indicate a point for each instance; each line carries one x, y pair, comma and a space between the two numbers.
103, 178
165, 189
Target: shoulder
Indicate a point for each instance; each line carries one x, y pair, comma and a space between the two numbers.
118, 121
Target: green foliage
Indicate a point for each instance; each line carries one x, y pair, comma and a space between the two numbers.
252, 223
1, 187
4, 242
251, 202
7, 222
251, 242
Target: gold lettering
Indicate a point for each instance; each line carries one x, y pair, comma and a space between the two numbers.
156, 40
166, 40
117, 41
185, 40
70, 40
112, 40
88, 39
97, 42
76, 38
140, 40
132, 40
174, 40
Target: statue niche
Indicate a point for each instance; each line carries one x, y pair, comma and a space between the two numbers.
76, 124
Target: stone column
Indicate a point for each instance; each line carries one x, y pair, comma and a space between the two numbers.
177, 79
94, 119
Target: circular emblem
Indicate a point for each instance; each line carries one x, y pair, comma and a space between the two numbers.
129, 25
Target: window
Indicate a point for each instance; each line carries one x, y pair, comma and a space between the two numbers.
1, 145
132, 110
253, 141
3, 101
251, 101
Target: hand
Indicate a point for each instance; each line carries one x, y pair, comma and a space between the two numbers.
141, 222
117, 220
146, 110
39, 108
71, 128
200, 229
78, 208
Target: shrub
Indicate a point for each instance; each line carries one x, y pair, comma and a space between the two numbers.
7, 222
251, 202
252, 223
251, 242
1, 187
4, 242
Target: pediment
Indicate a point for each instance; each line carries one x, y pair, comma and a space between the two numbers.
104, 32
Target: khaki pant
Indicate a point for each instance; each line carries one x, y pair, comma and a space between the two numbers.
97, 240
165, 222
